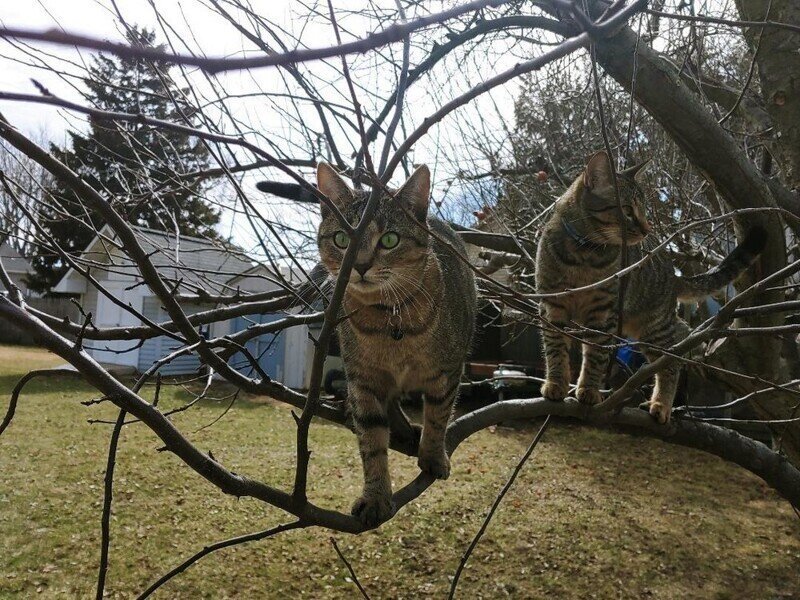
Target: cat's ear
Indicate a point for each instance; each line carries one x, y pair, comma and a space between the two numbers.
597, 173
333, 186
636, 172
416, 192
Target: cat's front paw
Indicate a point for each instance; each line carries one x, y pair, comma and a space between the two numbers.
589, 396
658, 410
372, 510
435, 464
555, 391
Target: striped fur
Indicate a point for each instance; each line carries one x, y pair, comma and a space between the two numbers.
420, 288
700, 286
580, 245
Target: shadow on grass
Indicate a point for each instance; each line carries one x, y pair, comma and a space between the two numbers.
46, 384
174, 392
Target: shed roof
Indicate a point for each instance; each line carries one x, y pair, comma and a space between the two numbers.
197, 261
192, 263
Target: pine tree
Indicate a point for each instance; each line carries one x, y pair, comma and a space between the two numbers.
136, 166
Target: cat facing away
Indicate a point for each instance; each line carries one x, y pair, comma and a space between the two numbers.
408, 320
580, 245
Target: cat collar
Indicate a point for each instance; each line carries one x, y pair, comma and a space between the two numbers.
582, 241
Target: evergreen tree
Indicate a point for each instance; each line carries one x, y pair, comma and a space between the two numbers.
136, 166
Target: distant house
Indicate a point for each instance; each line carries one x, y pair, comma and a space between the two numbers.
16, 266
189, 264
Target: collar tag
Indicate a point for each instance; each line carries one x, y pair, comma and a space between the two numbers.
395, 324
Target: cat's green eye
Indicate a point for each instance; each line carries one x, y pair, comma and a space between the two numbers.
389, 240
341, 239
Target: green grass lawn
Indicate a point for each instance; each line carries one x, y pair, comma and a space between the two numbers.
593, 514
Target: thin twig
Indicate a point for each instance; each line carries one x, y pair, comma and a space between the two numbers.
732, 22
623, 251
561, 50
750, 71
12, 405
496, 503
105, 521
299, 491
242, 539
360, 587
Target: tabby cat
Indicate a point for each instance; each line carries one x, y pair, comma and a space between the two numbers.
580, 245
410, 308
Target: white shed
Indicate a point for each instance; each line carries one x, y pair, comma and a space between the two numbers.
190, 264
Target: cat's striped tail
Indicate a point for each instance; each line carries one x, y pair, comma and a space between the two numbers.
700, 286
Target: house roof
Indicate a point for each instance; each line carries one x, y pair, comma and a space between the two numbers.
192, 263
12, 260
197, 261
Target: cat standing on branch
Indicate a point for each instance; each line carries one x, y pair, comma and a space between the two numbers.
408, 316
581, 244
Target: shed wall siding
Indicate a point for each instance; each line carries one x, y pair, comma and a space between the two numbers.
161, 346
297, 349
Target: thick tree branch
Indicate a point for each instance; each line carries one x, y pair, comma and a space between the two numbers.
393, 33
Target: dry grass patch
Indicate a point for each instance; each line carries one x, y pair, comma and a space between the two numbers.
594, 513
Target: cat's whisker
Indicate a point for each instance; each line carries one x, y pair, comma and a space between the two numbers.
417, 308
416, 285
426, 299
417, 302
400, 296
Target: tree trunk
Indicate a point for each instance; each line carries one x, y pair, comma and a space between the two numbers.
778, 61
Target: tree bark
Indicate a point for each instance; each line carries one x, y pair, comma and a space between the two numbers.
778, 61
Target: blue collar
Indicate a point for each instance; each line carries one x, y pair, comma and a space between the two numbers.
584, 243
